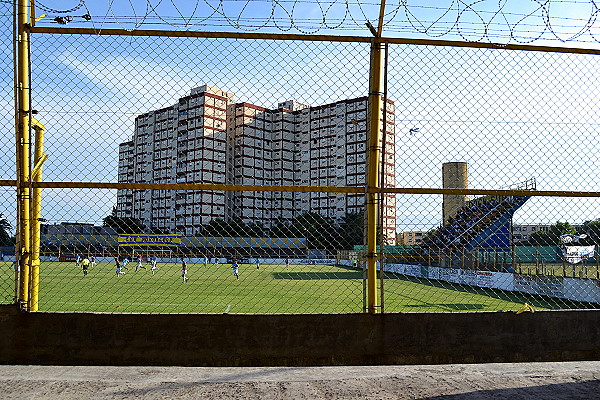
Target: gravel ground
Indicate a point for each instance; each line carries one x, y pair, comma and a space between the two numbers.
569, 380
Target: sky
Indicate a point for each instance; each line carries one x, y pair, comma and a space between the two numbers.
504, 21
511, 115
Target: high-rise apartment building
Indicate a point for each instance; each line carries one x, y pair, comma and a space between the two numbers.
206, 138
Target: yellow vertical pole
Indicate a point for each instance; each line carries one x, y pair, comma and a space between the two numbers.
373, 158
373, 161
36, 208
22, 149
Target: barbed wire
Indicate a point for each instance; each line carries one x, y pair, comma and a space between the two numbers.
46, 8
475, 20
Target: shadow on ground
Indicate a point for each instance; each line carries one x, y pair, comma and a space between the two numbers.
560, 391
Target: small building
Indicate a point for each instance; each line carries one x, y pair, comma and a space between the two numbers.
76, 228
522, 232
411, 238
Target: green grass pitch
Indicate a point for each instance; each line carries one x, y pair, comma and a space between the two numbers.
270, 289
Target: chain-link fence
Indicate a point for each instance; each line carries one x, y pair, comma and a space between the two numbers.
7, 165
195, 174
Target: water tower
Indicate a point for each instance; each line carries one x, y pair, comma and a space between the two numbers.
455, 175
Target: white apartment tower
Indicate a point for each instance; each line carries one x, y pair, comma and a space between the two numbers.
184, 143
205, 138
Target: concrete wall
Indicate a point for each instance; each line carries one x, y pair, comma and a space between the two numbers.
296, 340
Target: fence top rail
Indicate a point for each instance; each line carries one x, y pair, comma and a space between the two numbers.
310, 38
283, 188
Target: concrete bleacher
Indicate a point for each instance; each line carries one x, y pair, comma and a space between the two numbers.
482, 223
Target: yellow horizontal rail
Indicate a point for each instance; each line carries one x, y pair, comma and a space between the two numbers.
307, 38
283, 188
493, 192
198, 186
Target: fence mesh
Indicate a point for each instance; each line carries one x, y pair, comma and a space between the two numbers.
7, 163
291, 118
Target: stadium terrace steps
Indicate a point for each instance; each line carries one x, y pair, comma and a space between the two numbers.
496, 236
480, 224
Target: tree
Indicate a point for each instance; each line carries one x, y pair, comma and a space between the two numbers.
123, 224
429, 239
318, 231
253, 229
281, 229
592, 229
236, 227
218, 227
551, 237
160, 231
351, 230
5, 238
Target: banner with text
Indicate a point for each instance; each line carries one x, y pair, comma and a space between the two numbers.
576, 254
149, 240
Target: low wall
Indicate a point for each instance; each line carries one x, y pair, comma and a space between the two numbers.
296, 340
577, 289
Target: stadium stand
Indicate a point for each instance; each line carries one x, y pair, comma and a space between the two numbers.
481, 224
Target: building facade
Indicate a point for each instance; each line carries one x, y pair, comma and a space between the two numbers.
522, 232
207, 138
411, 238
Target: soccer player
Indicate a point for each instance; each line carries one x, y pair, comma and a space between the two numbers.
184, 277
216, 261
257, 263
118, 267
287, 262
153, 264
78, 261
125, 261
234, 267
139, 263
205, 259
92, 261
85, 264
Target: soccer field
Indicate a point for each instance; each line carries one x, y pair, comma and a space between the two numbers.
270, 289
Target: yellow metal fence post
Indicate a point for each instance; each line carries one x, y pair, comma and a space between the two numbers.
22, 149
36, 208
373, 159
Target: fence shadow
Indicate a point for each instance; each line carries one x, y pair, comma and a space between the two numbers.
567, 390
308, 276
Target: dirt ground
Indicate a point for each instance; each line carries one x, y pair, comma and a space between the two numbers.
570, 380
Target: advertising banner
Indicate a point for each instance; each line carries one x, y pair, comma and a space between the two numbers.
148, 240
576, 254
552, 286
544, 285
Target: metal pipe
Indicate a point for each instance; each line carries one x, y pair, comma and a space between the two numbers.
284, 188
308, 38
36, 210
382, 171
22, 150
373, 159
